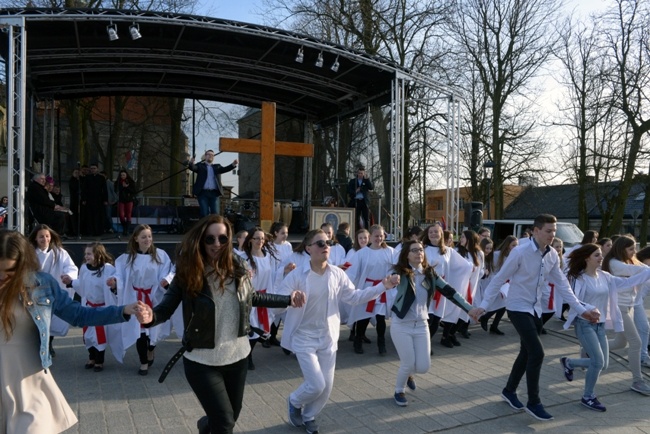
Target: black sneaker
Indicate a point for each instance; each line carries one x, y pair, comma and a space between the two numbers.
512, 400
537, 411
568, 372
400, 399
311, 427
593, 404
410, 383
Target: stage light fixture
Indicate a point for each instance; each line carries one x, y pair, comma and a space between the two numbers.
300, 56
111, 29
335, 65
134, 30
319, 61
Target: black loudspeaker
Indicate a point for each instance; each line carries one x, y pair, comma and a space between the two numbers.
473, 215
188, 215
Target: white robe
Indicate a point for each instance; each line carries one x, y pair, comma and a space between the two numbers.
337, 255
453, 268
95, 292
263, 281
453, 313
500, 301
62, 265
146, 274
369, 267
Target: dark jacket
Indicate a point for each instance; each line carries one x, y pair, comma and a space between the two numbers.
198, 313
125, 194
344, 240
432, 282
201, 170
366, 186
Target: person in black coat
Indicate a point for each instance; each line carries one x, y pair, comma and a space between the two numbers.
94, 196
358, 190
44, 209
207, 187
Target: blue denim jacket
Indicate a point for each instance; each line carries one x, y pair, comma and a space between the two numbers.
48, 298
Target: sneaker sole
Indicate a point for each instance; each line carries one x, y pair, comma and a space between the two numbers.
642, 392
401, 404
511, 404
537, 417
593, 408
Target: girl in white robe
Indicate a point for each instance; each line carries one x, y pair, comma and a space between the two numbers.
142, 273
498, 306
361, 239
260, 255
451, 267
469, 248
91, 286
283, 249
337, 252
370, 266
56, 261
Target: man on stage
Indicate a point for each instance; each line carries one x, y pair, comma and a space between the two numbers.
207, 187
358, 189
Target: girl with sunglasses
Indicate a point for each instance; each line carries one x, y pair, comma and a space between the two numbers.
214, 286
312, 333
409, 324
141, 274
370, 266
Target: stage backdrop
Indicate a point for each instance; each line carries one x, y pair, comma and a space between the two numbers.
334, 216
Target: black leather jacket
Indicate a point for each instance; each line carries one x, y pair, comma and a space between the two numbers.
198, 312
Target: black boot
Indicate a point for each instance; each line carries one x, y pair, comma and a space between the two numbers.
445, 342
358, 344
381, 345
463, 327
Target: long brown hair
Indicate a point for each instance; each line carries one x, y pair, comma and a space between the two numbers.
489, 257
15, 247
267, 247
578, 259
472, 248
504, 250
192, 258
132, 246
618, 251
56, 245
101, 257
441, 244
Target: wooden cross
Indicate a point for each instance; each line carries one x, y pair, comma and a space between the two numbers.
268, 148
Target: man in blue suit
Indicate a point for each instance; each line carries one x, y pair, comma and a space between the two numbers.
358, 191
207, 187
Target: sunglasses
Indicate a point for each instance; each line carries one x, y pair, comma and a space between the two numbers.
321, 243
210, 239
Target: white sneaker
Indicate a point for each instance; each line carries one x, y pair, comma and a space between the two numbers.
641, 387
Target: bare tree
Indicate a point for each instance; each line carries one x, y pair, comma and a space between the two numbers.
627, 41
507, 41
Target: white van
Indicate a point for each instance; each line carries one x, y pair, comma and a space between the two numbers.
569, 233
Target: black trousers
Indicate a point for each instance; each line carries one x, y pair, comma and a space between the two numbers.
531, 354
220, 390
363, 212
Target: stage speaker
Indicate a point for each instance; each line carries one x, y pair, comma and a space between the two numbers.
473, 215
188, 215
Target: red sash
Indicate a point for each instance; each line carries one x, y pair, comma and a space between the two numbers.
469, 293
370, 307
263, 315
144, 295
437, 296
101, 332
550, 298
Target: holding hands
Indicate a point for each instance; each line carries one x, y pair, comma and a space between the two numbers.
135, 308
143, 312
67, 280
298, 299
593, 316
391, 281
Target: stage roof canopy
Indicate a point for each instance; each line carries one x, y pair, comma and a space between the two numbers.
69, 55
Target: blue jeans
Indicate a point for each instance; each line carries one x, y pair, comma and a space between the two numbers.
208, 202
641, 323
531, 354
593, 339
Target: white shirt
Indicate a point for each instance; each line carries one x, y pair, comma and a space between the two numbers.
529, 269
